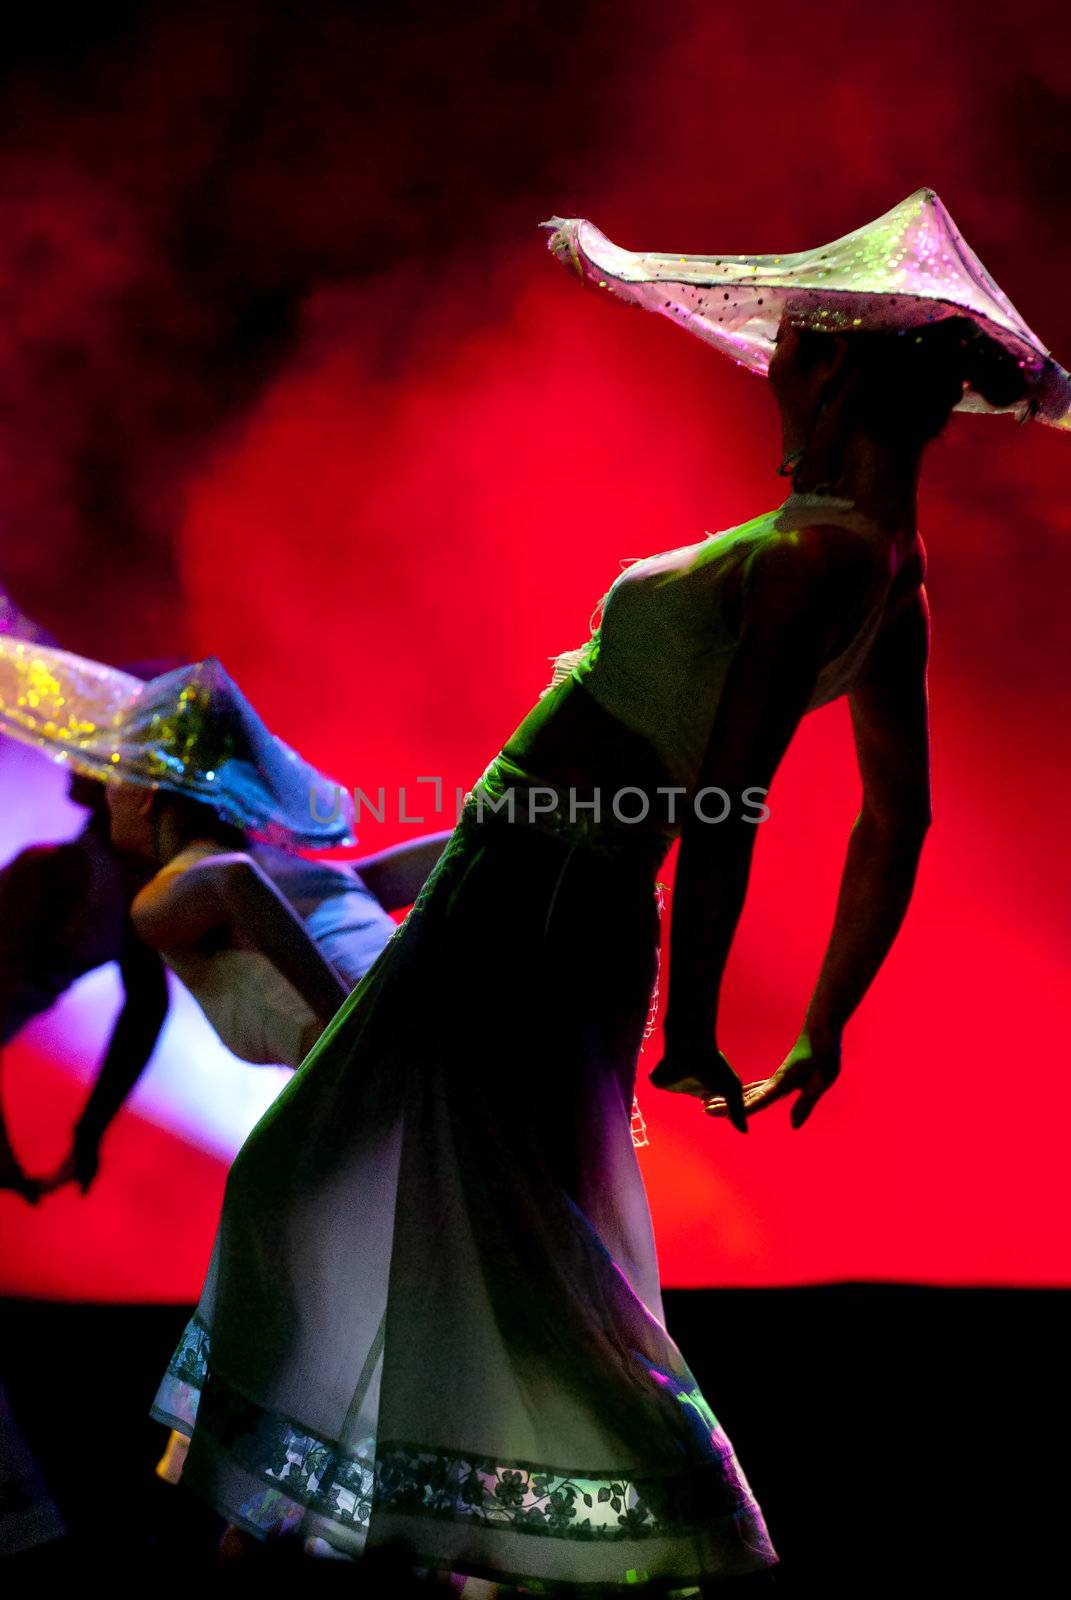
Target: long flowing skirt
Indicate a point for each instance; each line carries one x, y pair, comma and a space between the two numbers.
432, 1318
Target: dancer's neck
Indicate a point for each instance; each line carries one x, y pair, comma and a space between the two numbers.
881, 482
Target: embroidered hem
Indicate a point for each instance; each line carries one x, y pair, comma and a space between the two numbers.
342, 1484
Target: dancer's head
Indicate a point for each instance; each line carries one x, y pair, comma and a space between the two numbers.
893, 389
891, 326
155, 824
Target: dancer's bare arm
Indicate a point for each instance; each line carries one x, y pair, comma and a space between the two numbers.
227, 894
40, 890
890, 721
130, 1048
798, 595
396, 875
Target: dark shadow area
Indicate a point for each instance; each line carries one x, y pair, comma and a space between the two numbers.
892, 1433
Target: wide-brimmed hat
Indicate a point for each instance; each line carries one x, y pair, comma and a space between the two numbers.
908, 268
191, 731
16, 624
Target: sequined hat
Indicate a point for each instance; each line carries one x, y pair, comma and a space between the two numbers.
191, 731
17, 624
908, 268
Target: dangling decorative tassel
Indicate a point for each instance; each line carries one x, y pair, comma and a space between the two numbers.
638, 1126
564, 665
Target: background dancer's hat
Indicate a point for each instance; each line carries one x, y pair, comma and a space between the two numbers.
191, 731
908, 268
17, 624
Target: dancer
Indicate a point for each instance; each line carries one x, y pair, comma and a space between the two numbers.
29, 1516
269, 943
65, 911
434, 1319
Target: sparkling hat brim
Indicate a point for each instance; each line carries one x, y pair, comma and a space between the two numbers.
191, 731
910, 267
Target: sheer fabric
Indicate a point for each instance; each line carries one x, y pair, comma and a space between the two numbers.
908, 268
433, 1316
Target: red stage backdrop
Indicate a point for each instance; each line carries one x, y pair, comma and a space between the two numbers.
289, 378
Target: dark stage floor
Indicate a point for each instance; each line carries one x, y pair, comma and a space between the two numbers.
893, 1434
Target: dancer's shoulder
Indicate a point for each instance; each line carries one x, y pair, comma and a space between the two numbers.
818, 562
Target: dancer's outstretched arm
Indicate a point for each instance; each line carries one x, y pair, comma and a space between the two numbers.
227, 893
11, 1173
396, 875
40, 891
890, 720
798, 595
133, 1040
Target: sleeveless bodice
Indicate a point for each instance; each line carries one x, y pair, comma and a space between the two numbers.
257, 1012
659, 658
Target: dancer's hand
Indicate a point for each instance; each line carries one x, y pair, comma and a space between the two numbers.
12, 1177
62, 1175
809, 1069
699, 1068
80, 1166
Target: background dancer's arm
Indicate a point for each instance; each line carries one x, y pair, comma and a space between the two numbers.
39, 891
396, 875
228, 893
11, 1173
133, 1040
796, 597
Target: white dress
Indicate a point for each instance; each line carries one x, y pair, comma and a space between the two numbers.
433, 1320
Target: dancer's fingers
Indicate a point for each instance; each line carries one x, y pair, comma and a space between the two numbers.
717, 1104
808, 1099
757, 1096
737, 1110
